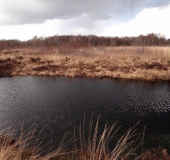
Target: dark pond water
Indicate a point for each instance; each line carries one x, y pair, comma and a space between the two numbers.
57, 104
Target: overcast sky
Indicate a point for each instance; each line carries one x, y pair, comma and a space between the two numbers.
23, 19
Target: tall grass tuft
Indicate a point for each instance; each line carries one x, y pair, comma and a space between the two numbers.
91, 146
96, 145
27, 147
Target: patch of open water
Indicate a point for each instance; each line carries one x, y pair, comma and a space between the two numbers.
57, 104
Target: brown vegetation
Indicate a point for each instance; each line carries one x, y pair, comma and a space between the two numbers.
138, 63
94, 147
155, 154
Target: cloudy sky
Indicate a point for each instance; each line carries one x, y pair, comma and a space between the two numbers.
23, 19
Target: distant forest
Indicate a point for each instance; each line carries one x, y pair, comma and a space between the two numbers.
71, 41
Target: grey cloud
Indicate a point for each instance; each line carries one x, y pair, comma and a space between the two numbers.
38, 11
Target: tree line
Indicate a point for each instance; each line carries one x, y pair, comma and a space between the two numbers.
71, 41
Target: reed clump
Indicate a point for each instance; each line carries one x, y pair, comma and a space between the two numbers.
27, 147
137, 63
94, 146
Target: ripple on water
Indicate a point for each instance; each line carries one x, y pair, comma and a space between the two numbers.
59, 103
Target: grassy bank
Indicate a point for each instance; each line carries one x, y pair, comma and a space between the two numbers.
138, 63
93, 147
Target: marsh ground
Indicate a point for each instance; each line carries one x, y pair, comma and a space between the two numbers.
138, 63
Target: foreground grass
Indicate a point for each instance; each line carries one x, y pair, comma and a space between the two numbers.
138, 63
93, 147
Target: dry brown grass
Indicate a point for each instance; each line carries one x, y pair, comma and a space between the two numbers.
139, 63
154, 154
20, 149
93, 147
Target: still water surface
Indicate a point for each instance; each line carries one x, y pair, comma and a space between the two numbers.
59, 103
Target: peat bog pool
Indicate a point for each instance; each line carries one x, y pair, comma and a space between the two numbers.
57, 104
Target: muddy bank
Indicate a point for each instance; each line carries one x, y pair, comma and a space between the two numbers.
71, 67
